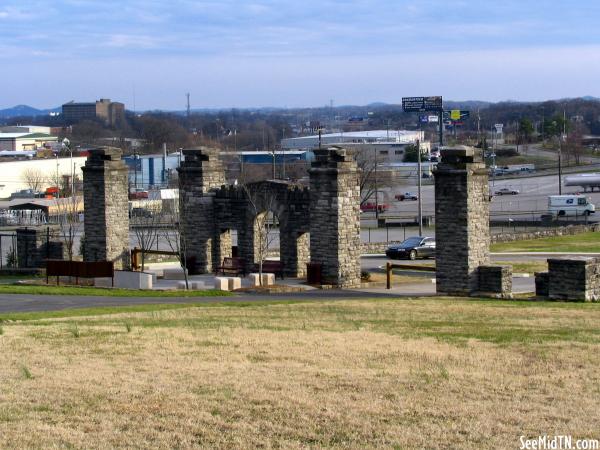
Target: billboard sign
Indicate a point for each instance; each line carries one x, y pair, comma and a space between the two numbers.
456, 115
421, 104
499, 127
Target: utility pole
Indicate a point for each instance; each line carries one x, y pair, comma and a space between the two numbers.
441, 127
376, 191
283, 154
188, 106
420, 202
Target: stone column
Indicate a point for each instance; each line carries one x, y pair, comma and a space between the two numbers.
461, 220
199, 174
335, 216
105, 196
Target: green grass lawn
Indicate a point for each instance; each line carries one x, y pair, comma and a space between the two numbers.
584, 242
104, 292
406, 373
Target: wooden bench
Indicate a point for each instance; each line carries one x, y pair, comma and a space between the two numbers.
270, 266
232, 266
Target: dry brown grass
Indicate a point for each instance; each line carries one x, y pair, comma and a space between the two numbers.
434, 373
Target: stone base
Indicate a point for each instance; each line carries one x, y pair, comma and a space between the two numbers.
173, 274
234, 283
221, 283
496, 280
127, 280
541, 284
574, 279
268, 279
254, 279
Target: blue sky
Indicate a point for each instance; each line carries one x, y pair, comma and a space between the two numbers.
303, 53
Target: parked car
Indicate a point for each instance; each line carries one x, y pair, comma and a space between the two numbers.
370, 207
412, 248
406, 196
506, 191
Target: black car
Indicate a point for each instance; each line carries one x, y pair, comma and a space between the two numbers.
412, 248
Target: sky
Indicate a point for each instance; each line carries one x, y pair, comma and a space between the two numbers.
227, 53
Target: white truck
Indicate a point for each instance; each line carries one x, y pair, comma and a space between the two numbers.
570, 205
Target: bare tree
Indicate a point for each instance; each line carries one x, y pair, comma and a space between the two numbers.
261, 199
175, 235
367, 175
34, 179
68, 210
145, 222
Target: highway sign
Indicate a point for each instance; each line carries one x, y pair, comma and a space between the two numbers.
421, 104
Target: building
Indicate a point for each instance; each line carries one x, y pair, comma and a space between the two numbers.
14, 174
387, 146
112, 113
151, 171
16, 142
26, 129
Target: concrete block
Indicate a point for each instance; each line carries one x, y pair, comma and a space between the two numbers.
173, 274
254, 279
181, 285
234, 283
268, 279
197, 285
133, 280
221, 283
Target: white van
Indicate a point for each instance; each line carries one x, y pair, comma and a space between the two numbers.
570, 205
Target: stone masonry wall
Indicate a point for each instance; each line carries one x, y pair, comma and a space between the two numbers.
462, 220
106, 218
33, 248
575, 278
334, 217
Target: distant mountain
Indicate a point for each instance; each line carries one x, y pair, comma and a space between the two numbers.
25, 111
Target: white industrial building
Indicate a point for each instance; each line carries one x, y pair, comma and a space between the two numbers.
13, 173
387, 146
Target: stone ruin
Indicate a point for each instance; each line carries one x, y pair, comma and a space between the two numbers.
320, 224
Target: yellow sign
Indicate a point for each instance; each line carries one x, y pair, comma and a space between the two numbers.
455, 114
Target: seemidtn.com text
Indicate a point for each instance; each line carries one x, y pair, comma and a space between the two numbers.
558, 442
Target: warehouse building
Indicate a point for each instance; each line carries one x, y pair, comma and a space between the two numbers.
387, 146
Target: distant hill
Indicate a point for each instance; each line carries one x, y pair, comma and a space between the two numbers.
25, 111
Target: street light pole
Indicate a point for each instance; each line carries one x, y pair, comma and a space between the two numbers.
419, 174
560, 166
376, 190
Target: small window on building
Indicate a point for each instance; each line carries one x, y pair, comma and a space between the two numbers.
398, 152
383, 152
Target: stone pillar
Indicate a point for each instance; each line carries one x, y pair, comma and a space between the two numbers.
461, 220
105, 197
335, 216
199, 174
